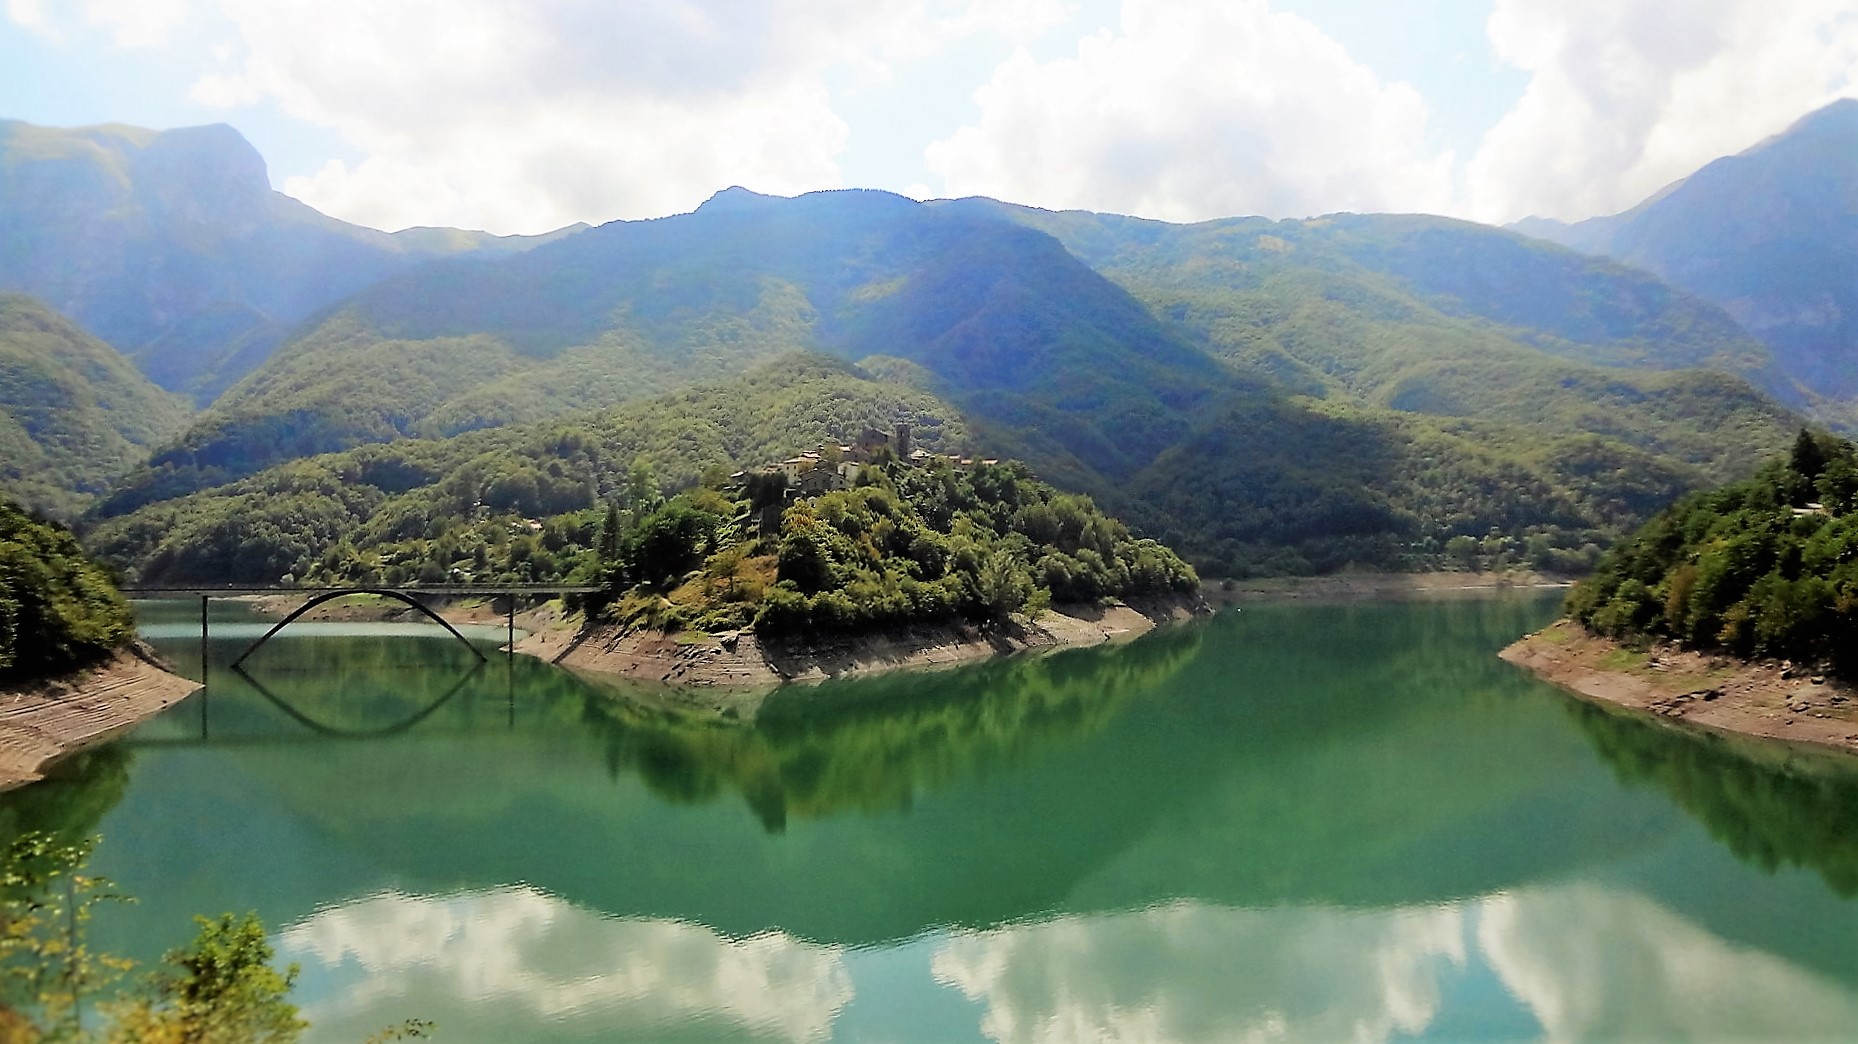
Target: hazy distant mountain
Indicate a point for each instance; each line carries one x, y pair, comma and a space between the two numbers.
172, 246
1420, 313
1771, 234
74, 414
1183, 390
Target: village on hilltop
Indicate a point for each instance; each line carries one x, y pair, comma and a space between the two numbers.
832, 466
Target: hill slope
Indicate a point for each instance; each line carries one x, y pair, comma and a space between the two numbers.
1383, 307
1770, 234
74, 414
172, 246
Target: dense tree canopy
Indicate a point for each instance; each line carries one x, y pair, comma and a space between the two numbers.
1765, 567
907, 542
57, 608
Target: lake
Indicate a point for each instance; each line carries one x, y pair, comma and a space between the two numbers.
1299, 822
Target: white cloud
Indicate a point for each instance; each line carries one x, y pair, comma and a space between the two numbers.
137, 23
1197, 109
30, 15
523, 116
1626, 96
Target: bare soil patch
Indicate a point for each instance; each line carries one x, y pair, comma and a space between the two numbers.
45, 721
1754, 698
746, 660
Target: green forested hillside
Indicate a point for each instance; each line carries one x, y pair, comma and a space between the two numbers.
911, 540
74, 414
1276, 488
1265, 485
1763, 567
414, 509
57, 609
1380, 306
1010, 325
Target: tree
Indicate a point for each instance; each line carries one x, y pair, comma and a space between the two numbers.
1807, 459
220, 990
641, 489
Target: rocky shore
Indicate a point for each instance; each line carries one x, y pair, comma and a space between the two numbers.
47, 720
1765, 698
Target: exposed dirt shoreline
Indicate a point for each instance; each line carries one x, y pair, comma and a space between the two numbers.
744, 660
45, 721
1761, 698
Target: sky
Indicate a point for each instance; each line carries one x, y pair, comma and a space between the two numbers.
518, 116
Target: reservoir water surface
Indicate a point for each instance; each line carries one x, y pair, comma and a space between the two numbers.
1292, 822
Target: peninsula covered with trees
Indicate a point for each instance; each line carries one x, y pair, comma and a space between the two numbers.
1767, 567
859, 536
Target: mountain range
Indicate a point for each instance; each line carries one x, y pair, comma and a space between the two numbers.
1771, 235
172, 246
1267, 395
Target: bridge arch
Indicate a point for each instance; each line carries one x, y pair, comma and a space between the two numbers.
343, 593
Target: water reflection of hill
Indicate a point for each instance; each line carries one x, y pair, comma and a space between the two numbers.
73, 799
1772, 805
873, 745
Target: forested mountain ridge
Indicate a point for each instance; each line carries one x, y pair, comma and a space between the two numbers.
1771, 234
1006, 323
1375, 306
172, 246
75, 416
1290, 414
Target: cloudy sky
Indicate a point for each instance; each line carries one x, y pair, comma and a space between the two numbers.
524, 115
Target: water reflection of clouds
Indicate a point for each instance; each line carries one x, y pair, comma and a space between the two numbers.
1591, 963
1586, 963
1192, 972
512, 963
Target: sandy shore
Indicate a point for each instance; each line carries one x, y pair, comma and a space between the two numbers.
44, 721
1767, 698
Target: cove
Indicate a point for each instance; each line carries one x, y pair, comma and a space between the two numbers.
1298, 822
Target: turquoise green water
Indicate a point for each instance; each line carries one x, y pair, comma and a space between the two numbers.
1311, 823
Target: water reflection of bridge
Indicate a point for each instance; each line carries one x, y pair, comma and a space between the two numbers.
320, 731
316, 596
